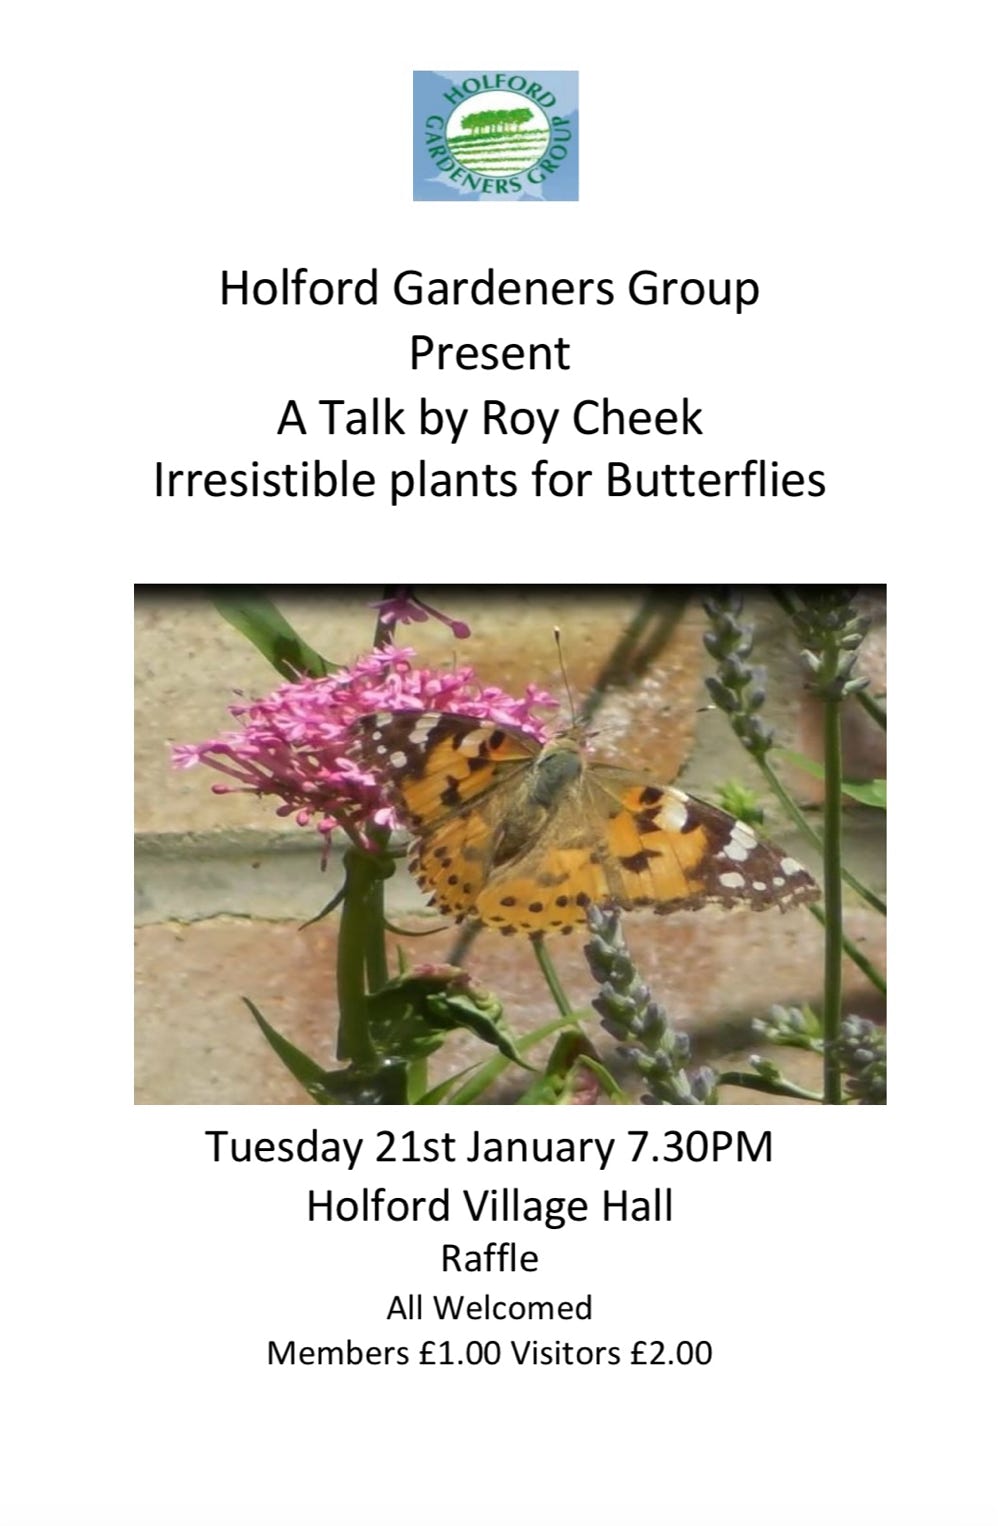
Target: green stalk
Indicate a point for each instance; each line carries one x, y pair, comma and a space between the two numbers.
874, 711
832, 1014
461, 947
780, 1088
375, 953
873, 975
362, 879
859, 959
550, 974
800, 820
418, 1075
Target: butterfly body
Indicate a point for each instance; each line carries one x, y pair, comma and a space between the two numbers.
523, 836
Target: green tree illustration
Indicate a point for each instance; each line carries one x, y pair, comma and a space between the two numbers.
495, 121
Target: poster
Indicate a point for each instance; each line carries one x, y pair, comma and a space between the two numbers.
473, 496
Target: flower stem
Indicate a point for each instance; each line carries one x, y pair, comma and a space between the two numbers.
859, 959
461, 946
800, 820
874, 711
550, 974
780, 1088
375, 954
873, 975
363, 880
832, 1013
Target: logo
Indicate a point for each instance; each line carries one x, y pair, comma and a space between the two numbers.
495, 137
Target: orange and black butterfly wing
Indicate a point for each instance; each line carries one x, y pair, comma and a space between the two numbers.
667, 850
446, 775
617, 839
491, 841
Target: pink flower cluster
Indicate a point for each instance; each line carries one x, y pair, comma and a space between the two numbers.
296, 743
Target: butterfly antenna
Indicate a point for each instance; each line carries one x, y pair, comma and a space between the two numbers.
568, 686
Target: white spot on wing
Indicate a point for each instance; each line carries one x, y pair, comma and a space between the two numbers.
758, 884
672, 813
740, 844
732, 881
790, 866
397, 759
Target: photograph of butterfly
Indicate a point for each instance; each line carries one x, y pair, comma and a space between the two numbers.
441, 862
524, 837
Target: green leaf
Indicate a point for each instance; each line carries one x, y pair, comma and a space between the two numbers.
383, 1082
493, 1069
571, 1060
302, 1067
412, 1013
461, 1012
439, 1093
403, 1033
261, 622
874, 792
329, 906
741, 802
871, 792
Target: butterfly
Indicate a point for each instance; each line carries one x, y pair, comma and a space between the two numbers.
523, 836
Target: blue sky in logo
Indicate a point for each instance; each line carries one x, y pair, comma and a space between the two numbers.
428, 92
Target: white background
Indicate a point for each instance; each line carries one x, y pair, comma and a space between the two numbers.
836, 154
